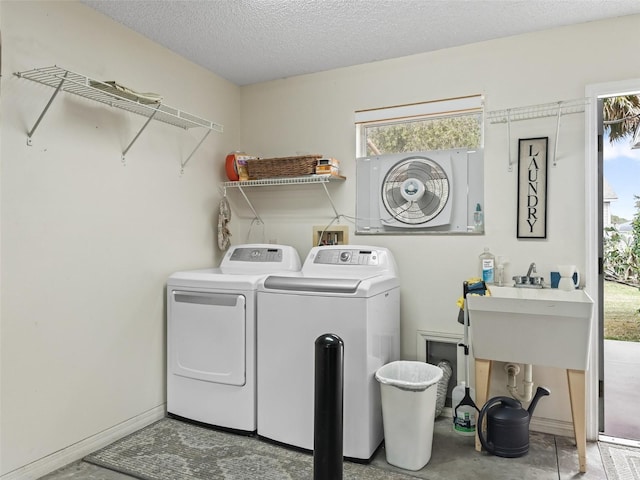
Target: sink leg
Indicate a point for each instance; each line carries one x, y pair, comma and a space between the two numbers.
483, 380
577, 398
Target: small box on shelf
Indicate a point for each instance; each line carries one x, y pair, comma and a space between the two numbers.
329, 166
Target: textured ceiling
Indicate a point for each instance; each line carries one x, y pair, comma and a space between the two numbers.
251, 41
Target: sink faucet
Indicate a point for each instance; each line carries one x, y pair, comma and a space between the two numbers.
532, 269
527, 280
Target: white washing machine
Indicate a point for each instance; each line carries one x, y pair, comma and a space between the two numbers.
211, 336
350, 291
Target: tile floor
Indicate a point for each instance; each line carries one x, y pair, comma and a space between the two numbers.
453, 457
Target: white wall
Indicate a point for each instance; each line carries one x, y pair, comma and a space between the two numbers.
87, 243
315, 113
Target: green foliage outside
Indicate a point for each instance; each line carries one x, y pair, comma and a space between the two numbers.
433, 134
622, 285
621, 116
635, 226
621, 312
622, 252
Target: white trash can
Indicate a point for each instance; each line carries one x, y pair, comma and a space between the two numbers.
408, 391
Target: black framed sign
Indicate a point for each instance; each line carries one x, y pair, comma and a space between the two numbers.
532, 187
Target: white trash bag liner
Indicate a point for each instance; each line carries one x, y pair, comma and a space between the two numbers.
408, 392
407, 375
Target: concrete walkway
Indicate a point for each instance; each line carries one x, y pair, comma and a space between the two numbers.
621, 389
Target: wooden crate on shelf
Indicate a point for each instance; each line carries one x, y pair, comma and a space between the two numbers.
282, 167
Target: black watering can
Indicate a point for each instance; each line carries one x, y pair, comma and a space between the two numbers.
507, 425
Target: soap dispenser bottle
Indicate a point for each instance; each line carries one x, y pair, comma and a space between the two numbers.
478, 219
500, 273
487, 266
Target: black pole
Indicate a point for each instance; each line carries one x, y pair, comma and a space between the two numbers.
327, 428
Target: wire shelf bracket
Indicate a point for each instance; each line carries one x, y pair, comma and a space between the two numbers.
266, 182
64, 80
554, 109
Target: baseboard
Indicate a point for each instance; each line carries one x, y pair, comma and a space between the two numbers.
543, 425
72, 453
552, 427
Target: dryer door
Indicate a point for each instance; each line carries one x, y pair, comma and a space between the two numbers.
207, 336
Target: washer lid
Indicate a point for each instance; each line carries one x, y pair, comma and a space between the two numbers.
309, 284
214, 278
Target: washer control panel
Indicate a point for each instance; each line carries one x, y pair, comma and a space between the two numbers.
347, 257
256, 254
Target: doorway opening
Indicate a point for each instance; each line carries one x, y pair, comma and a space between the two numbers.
613, 168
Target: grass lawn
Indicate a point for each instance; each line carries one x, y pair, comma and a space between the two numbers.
621, 312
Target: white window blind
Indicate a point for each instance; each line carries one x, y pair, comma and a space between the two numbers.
450, 106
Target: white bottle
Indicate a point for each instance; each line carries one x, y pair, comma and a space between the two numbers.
478, 219
464, 419
487, 266
500, 275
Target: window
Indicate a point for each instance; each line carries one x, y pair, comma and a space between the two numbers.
437, 125
420, 168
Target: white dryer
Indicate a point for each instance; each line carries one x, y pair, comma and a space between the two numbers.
211, 336
350, 291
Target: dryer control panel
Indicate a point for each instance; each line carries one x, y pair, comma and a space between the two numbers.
258, 258
347, 257
256, 254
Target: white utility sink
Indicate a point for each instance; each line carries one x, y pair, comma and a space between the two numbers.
543, 326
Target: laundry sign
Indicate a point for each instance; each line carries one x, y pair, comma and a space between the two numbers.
532, 187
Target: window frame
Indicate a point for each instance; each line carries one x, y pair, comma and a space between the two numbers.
409, 113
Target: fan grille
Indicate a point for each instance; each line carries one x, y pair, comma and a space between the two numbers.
408, 205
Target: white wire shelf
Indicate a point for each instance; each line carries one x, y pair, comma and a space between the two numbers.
64, 80
265, 182
564, 107
555, 109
